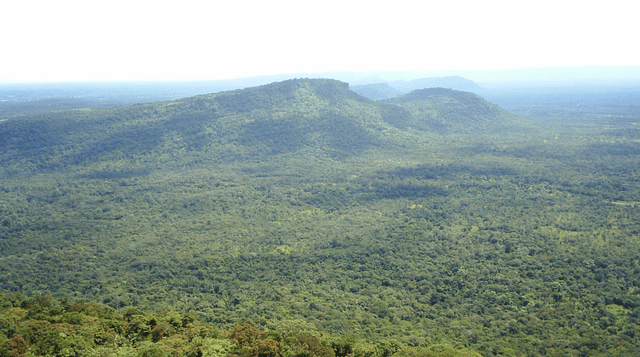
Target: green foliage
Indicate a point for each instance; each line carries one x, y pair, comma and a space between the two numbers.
214, 347
152, 350
440, 352
41, 326
100, 331
307, 345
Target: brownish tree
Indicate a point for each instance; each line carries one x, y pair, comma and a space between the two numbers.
253, 342
17, 347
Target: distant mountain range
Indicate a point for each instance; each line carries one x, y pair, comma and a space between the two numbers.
317, 114
395, 88
503, 87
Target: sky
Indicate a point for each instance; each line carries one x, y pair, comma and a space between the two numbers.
86, 40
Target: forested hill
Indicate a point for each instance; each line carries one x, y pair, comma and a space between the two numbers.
443, 109
321, 115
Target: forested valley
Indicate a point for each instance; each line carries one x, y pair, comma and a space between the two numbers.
301, 219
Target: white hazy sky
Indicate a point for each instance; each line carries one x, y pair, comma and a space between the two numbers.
66, 40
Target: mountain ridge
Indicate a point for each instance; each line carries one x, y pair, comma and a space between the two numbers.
452, 82
271, 119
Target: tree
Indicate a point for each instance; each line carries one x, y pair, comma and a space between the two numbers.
16, 347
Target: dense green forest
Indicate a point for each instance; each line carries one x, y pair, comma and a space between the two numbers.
427, 220
43, 326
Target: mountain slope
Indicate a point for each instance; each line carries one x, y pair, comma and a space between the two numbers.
285, 116
280, 117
